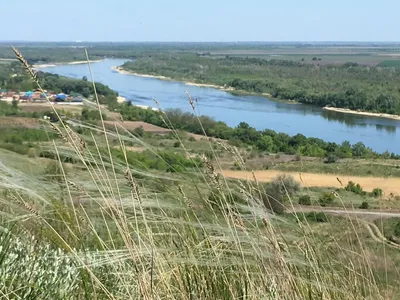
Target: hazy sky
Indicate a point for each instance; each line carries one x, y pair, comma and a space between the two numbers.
201, 20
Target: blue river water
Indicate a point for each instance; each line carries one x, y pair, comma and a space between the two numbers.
378, 133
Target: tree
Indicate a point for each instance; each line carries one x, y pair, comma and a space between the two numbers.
84, 78
265, 143
359, 149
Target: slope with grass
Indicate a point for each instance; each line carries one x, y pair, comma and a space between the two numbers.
90, 219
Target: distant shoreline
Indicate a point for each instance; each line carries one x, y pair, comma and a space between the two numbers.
79, 62
125, 72
362, 113
121, 70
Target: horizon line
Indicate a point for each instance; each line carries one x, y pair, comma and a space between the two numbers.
172, 41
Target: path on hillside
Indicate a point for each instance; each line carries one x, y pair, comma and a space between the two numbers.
388, 185
365, 217
365, 214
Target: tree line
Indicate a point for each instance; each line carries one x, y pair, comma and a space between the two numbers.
266, 140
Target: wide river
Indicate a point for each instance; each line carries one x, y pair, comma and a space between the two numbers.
378, 133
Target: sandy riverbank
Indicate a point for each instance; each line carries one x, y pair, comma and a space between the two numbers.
125, 72
362, 113
121, 99
79, 62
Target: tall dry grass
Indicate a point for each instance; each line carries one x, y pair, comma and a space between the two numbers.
109, 231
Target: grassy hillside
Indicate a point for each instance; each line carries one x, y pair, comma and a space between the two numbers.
110, 210
133, 214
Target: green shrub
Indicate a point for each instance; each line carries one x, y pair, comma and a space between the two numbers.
138, 131
396, 231
192, 139
331, 159
177, 144
284, 185
377, 193
326, 199
319, 217
281, 188
305, 200
355, 188
364, 205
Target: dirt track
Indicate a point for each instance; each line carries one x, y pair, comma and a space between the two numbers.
388, 185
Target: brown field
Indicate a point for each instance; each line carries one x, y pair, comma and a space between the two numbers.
18, 122
131, 125
388, 185
39, 107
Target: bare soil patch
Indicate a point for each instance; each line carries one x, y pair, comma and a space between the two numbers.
131, 125
40, 107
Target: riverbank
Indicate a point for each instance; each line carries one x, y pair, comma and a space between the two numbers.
362, 113
232, 90
125, 72
79, 62
121, 99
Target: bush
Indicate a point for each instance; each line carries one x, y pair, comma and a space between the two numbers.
31, 153
138, 131
396, 231
377, 193
177, 144
364, 205
305, 200
326, 199
331, 158
319, 217
282, 187
192, 139
354, 188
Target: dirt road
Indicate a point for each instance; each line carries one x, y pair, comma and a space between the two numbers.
388, 185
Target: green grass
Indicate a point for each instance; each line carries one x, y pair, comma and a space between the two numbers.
389, 63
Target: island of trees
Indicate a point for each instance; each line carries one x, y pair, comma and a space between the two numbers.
352, 86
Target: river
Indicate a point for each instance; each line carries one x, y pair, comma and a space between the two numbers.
378, 133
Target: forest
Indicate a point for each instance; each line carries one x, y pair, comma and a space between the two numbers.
350, 85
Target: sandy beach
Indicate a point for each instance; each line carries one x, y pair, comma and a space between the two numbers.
125, 72
362, 113
79, 62
121, 99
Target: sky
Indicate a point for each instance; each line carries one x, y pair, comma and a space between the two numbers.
201, 20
